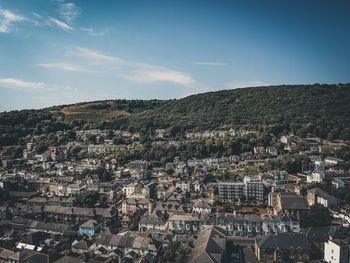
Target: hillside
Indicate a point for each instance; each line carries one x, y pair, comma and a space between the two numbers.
319, 108
323, 110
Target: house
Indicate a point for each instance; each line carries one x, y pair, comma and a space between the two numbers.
210, 246
202, 207
128, 242
288, 203
274, 178
272, 151
275, 248
338, 183
259, 150
136, 191
170, 207
69, 259
318, 196
184, 186
196, 186
89, 228
315, 177
336, 251
251, 225
7, 255
333, 160
291, 147
83, 245
186, 223
75, 215
130, 205
287, 139
154, 221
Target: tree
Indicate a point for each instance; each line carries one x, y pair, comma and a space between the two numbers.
318, 215
87, 199
176, 252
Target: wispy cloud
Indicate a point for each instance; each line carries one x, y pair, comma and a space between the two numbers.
51, 92
7, 20
64, 67
137, 71
88, 60
93, 32
61, 24
68, 11
245, 84
159, 74
95, 56
12, 83
206, 63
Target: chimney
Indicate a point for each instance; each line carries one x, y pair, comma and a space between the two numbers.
150, 207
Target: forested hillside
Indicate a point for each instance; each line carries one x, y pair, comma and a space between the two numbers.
323, 110
319, 109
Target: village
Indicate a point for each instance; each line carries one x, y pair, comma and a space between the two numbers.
61, 207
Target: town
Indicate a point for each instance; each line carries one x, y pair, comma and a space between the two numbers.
88, 197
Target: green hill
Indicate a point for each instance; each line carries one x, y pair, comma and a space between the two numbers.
323, 110
319, 109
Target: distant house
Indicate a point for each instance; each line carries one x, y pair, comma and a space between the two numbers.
154, 221
270, 150
338, 183
186, 223
130, 205
210, 246
336, 251
318, 196
288, 203
274, 248
202, 207
89, 228
315, 177
291, 147
259, 150
333, 160
274, 178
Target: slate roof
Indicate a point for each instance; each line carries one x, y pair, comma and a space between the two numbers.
210, 245
33, 257
284, 241
69, 259
293, 201
89, 224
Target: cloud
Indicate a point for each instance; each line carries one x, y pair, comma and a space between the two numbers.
68, 11
89, 60
95, 56
245, 84
156, 74
61, 24
136, 71
210, 63
64, 67
93, 32
8, 19
12, 83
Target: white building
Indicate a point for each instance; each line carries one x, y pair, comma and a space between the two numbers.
336, 251
338, 183
184, 186
314, 177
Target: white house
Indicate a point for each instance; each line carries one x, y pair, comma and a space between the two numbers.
338, 183
336, 251
202, 207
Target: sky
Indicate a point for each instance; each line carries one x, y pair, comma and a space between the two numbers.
55, 52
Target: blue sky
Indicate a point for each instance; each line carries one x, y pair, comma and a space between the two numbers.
63, 51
